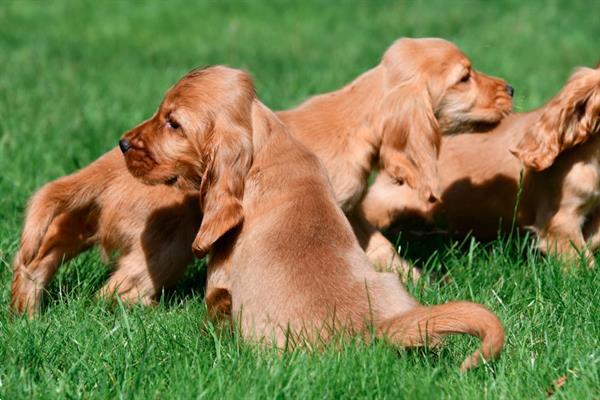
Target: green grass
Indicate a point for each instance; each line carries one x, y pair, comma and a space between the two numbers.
75, 75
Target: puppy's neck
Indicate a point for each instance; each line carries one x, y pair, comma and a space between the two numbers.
339, 127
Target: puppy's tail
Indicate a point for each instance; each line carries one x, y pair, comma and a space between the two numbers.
66, 194
423, 325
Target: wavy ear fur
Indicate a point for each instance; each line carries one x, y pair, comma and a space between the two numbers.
569, 119
411, 139
223, 185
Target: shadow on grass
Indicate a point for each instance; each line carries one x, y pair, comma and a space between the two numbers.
191, 285
428, 248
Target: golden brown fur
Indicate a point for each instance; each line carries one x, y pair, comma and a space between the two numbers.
278, 242
391, 116
558, 149
150, 228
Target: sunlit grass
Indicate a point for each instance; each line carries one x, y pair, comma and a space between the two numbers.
75, 75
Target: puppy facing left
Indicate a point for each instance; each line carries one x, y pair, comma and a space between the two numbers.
284, 260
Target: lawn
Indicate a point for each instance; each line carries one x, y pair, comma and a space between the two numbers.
75, 75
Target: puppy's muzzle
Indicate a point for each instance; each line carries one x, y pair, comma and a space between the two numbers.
510, 90
124, 145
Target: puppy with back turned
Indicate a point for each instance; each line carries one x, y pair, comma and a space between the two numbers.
283, 257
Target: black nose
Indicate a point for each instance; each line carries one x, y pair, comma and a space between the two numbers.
510, 90
124, 145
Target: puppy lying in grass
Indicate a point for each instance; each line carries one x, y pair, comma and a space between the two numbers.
556, 147
283, 258
393, 114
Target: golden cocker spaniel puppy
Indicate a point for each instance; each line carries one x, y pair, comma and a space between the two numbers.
279, 244
556, 147
392, 116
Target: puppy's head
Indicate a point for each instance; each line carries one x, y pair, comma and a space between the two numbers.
569, 119
430, 89
201, 138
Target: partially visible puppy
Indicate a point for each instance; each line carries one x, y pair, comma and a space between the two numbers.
282, 254
393, 114
148, 229
558, 149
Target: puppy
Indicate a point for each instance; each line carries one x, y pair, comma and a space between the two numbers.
392, 116
279, 244
556, 148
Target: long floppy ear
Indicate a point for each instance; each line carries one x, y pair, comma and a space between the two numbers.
569, 119
411, 139
223, 185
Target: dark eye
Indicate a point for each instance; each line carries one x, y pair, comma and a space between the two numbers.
466, 78
171, 123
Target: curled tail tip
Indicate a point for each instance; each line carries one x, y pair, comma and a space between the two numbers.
491, 334
475, 359
470, 362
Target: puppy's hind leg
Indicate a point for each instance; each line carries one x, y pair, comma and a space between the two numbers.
142, 274
160, 253
68, 235
130, 279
